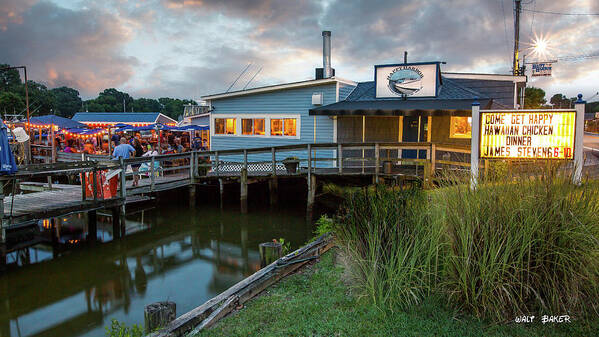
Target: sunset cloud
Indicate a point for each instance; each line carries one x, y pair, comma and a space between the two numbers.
189, 48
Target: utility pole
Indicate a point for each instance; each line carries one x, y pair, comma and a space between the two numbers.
517, 10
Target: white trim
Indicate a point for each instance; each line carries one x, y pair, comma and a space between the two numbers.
491, 77
266, 117
284, 86
336, 93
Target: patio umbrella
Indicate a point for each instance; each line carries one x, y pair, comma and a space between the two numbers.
7, 159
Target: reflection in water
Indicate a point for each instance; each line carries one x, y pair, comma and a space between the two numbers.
171, 253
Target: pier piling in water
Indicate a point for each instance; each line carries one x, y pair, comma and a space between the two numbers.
269, 253
159, 314
244, 190
92, 226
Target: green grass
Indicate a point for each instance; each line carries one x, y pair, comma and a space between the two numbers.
317, 302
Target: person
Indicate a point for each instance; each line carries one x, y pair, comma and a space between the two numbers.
197, 144
151, 151
178, 147
115, 139
70, 148
123, 150
139, 151
204, 144
88, 147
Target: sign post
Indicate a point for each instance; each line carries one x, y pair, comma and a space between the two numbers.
474, 145
578, 146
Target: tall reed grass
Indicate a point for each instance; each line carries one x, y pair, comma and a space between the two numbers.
518, 244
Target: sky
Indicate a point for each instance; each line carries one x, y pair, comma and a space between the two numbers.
191, 48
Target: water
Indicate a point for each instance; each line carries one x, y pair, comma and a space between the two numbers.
172, 252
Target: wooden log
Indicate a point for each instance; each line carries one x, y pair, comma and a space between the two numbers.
269, 252
216, 315
159, 314
246, 288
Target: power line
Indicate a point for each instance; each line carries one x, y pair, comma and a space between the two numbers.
559, 13
507, 44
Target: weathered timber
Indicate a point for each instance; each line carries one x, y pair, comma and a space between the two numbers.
273, 189
159, 314
217, 314
247, 288
269, 252
244, 190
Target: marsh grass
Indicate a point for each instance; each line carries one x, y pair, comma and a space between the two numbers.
526, 242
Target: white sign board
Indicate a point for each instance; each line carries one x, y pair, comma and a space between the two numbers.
541, 69
411, 80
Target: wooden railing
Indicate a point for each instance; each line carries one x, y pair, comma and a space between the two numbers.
378, 159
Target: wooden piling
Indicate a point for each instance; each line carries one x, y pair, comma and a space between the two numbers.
116, 223
221, 191
273, 190
92, 226
192, 195
311, 194
159, 314
269, 253
244, 190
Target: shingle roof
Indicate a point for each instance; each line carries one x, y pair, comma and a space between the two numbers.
117, 117
362, 100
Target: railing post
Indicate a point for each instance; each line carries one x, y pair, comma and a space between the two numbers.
191, 166
83, 185
340, 158
377, 162
245, 159
95, 182
123, 179
152, 175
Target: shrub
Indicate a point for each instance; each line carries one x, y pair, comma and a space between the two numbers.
118, 329
393, 250
525, 243
521, 245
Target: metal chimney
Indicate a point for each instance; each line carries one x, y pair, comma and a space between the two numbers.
326, 53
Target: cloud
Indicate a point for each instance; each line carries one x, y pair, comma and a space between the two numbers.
76, 48
189, 48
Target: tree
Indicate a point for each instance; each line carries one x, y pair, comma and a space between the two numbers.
173, 107
561, 101
110, 100
11, 102
534, 98
66, 101
146, 105
9, 79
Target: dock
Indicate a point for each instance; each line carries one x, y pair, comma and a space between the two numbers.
36, 194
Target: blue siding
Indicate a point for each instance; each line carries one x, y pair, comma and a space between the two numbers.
345, 90
295, 101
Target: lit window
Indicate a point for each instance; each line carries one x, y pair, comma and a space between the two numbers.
259, 126
276, 127
460, 127
290, 126
247, 126
252, 126
224, 126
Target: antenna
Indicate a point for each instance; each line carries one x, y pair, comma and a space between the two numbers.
237, 79
251, 79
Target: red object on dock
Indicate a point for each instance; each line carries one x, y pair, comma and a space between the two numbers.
105, 189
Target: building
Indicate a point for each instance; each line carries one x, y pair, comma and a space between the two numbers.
110, 119
196, 115
407, 102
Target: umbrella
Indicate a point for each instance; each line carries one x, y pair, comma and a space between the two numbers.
192, 128
61, 122
121, 125
7, 159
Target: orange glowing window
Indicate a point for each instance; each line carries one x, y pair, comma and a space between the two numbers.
460, 127
224, 126
252, 126
276, 127
290, 127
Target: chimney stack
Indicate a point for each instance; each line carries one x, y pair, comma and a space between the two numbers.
326, 53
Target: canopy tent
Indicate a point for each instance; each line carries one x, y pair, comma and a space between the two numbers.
84, 133
157, 126
48, 120
188, 128
7, 158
